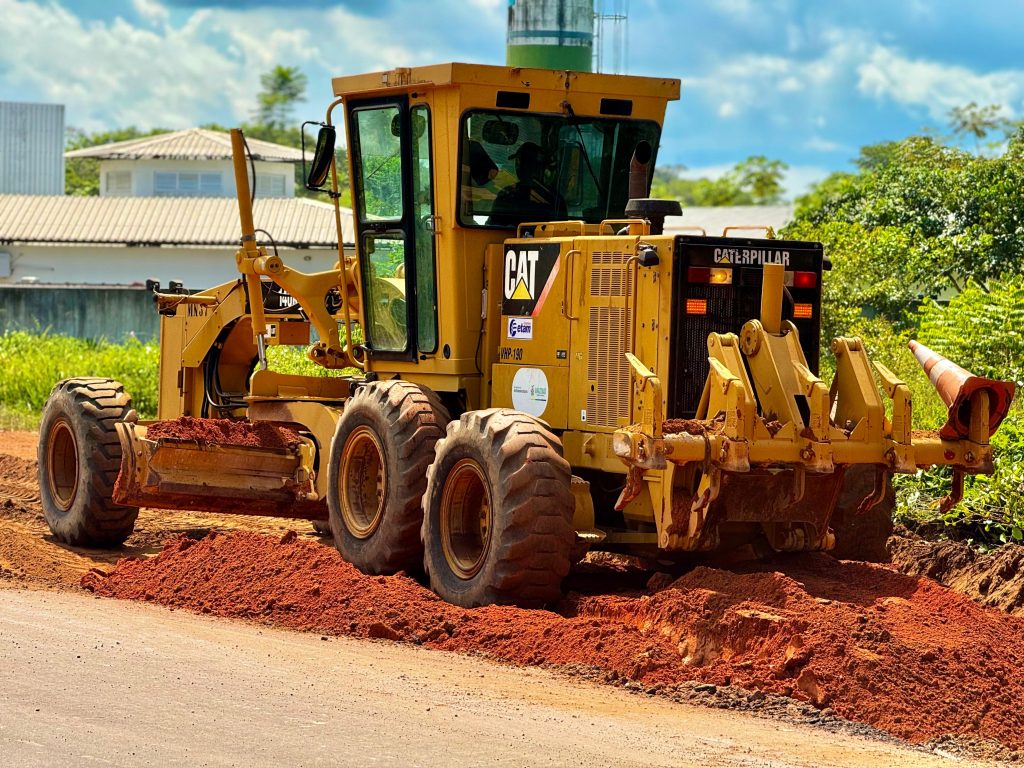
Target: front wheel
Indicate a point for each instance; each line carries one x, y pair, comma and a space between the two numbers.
497, 514
79, 457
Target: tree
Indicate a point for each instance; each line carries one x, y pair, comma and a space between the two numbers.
979, 122
283, 87
754, 181
760, 178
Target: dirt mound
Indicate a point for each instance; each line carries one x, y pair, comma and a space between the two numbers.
995, 579
260, 434
19, 486
900, 653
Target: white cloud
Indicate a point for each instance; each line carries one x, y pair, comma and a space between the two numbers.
154, 72
799, 178
820, 144
886, 75
726, 109
116, 73
151, 10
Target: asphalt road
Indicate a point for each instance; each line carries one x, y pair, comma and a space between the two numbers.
85, 681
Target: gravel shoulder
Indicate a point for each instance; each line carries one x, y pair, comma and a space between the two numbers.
86, 680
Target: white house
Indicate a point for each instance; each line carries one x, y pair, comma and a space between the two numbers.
191, 163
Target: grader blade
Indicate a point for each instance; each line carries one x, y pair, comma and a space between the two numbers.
174, 473
771, 443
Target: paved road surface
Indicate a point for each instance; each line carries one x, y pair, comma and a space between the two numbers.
85, 681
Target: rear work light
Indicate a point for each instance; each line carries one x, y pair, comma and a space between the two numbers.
803, 311
710, 275
801, 279
696, 306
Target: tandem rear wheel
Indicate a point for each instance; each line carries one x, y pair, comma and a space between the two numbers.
497, 513
377, 474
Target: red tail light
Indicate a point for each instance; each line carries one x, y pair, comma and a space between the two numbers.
805, 280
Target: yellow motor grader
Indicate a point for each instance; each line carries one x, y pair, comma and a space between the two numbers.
520, 366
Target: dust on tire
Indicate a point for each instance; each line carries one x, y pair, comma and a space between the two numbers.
528, 552
407, 421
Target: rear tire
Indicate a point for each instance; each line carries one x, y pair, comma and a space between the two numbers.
377, 474
79, 457
497, 515
862, 536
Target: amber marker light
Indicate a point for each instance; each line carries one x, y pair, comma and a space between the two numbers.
720, 276
803, 311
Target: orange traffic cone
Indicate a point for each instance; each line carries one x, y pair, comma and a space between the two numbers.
956, 386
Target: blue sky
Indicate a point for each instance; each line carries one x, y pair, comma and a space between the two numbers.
805, 81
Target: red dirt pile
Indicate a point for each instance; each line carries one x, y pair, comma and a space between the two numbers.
19, 484
995, 578
900, 653
260, 434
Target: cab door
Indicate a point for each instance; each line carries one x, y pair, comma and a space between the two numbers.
394, 213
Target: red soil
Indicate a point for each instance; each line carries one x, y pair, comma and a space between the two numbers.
259, 434
901, 653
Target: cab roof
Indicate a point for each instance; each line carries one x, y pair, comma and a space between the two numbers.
519, 78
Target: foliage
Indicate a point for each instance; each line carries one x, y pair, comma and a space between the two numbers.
961, 216
925, 241
283, 87
980, 329
754, 181
34, 362
979, 122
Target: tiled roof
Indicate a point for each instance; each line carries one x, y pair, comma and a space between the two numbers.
191, 144
714, 220
295, 222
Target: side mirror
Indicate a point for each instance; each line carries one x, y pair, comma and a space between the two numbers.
322, 156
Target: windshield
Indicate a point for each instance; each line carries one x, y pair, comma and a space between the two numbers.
520, 167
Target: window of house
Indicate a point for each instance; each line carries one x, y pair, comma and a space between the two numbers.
119, 183
187, 184
270, 185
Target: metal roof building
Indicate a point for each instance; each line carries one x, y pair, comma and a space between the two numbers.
190, 144
127, 240
158, 221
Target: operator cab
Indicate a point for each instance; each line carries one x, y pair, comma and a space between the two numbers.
446, 161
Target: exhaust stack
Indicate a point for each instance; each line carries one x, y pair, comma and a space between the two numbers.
965, 395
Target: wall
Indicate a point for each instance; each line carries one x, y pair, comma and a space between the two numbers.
196, 267
143, 170
31, 148
89, 313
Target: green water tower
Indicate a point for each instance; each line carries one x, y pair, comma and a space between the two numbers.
551, 34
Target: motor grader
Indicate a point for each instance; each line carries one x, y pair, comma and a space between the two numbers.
519, 365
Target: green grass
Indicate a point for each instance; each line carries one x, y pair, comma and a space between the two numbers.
31, 363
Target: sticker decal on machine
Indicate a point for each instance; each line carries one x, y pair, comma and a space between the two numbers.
530, 391
519, 328
529, 271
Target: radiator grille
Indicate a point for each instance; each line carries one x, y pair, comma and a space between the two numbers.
608, 373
